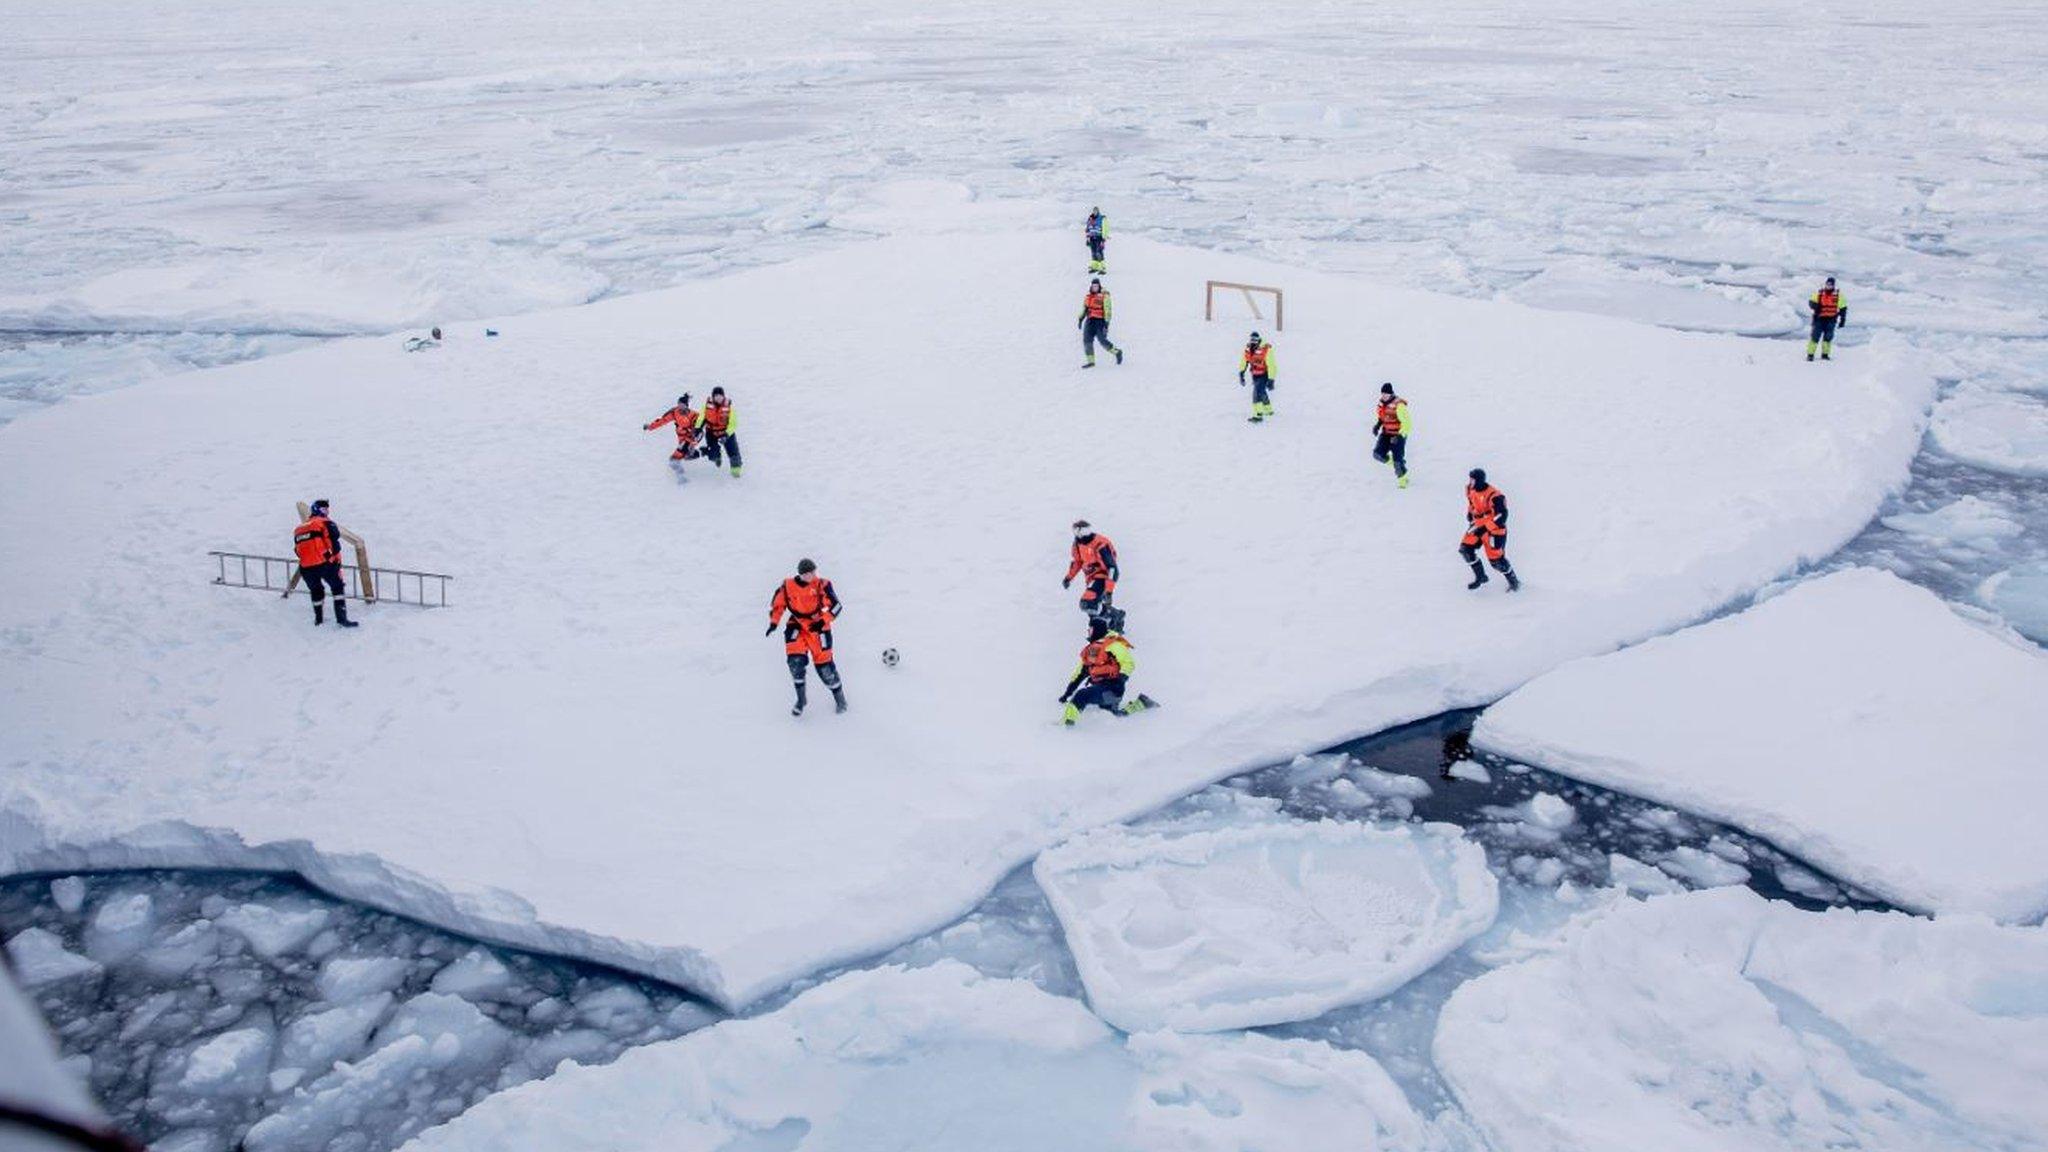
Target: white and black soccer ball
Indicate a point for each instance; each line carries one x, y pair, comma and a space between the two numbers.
890, 657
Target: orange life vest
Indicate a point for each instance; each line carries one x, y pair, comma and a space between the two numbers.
1829, 301
1255, 359
312, 544
1480, 502
1088, 556
1097, 305
717, 414
805, 602
1390, 415
1099, 662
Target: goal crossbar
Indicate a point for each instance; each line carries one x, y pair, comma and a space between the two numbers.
1279, 301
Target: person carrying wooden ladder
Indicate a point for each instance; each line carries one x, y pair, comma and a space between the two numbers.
317, 543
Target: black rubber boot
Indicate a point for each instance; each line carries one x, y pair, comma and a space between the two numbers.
341, 615
798, 708
839, 700
1119, 354
1514, 584
1478, 576
319, 613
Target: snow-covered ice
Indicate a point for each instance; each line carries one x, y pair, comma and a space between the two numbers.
942, 1058
1854, 720
2002, 431
38, 957
1721, 1020
507, 767
1968, 520
1591, 286
1203, 924
2020, 595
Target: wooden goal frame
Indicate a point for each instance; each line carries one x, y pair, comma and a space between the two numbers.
366, 584
1279, 301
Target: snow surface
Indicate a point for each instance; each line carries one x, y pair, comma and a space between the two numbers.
2002, 431
1720, 1020
942, 1058
590, 752
1855, 721
1204, 924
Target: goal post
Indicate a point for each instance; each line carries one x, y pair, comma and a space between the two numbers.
366, 584
1251, 301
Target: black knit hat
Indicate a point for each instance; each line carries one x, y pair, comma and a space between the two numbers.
805, 567
1386, 389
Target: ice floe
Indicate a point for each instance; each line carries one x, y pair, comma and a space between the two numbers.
1854, 720
2002, 431
1722, 1020
493, 767
942, 1059
1199, 925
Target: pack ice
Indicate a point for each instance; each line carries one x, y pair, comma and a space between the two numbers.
942, 1058
1718, 1020
2003, 431
1854, 720
1202, 924
590, 751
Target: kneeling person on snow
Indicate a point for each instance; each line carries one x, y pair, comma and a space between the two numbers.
1104, 673
807, 638
317, 542
1094, 323
1258, 360
1486, 521
720, 428
687, 423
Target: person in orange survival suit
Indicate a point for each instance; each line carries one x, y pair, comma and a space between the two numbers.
687, 423
1486, 521
1094, 560
812, 606
317, 543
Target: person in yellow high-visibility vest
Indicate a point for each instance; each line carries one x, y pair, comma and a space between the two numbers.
1828, 313
1391, 447
1258, 360
1102, 676
1094, 323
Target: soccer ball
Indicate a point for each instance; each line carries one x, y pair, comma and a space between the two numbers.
889, 657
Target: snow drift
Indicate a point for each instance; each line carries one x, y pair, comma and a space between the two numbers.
1810, 720
591, 753
1719, 1020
